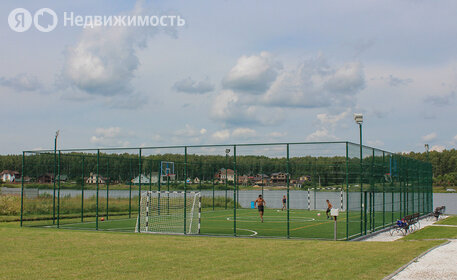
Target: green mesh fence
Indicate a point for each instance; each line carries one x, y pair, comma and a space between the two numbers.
102, 189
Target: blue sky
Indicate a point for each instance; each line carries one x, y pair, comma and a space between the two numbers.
238, 71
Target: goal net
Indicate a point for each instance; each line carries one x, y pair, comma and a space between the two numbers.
169, 212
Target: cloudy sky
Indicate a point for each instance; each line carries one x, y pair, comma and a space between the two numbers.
236, 72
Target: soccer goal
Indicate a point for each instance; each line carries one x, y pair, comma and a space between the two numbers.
169, 212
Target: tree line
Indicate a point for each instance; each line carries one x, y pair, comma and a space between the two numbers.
325, 171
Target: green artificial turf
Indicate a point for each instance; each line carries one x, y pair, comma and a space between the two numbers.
302, 223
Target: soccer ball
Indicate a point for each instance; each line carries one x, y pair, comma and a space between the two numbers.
102, 219
318, 214
228, 219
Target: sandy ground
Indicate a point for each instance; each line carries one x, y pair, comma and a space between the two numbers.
439, 263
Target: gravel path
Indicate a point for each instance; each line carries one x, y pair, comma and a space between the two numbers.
440, 263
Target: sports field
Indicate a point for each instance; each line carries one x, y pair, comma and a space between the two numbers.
303, 223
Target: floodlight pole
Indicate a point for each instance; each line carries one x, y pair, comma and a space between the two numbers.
359, 120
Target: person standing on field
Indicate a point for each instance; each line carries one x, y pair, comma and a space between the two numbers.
284, 202
329, 207
260, 202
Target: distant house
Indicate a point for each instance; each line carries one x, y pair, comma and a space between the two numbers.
45, 178
304, 179
92, 179
196, 180
165, 178
261, 179
244, 179
145, 179
9, 176
278, 178
224, 175
61, 178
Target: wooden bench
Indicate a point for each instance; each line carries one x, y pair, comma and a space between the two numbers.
408, 223
438, 212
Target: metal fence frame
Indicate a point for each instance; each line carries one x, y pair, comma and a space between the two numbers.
412, 182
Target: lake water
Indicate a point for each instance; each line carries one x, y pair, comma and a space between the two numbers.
298, 199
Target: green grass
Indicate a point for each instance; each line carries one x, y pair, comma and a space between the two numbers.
38, 253
452, 220
433, 232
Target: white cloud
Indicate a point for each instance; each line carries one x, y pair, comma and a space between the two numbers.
438, 148
313, 84
130, 102
189, 131
316, 84
321, 135
109, 132
111, 136
440, 100
276, 134
429, 137
243, 133
227, 107
104, 60
221, 135
332, 120
22, 82
240, 133
327, 124
395, 81
375, 143
252, 74
190, 86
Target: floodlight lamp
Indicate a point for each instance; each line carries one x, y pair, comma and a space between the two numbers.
227, 151
358, 118
426, 147
57, 133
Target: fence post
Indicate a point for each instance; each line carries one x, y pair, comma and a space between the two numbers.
107, 188
213, 187
54, 185
383, 190
347, 191
288, 183
82, 191
139, 188
372, 195
58, 192
22, 186
97, 178
185, 188
234, 190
